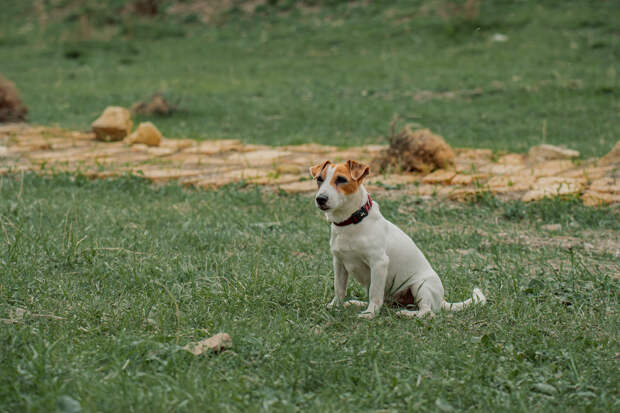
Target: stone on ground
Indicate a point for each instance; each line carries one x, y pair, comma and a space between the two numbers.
217, 343
146, 133
553, 186
113, 124
440, 176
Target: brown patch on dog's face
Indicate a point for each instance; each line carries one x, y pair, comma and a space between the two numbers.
343, 181
348, 176
358, 170
318, 169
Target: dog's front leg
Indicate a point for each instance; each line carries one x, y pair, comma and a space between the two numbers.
341, 277
376, 292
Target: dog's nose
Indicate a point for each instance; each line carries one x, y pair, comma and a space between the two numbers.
321, 199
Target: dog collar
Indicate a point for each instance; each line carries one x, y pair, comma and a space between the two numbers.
358, 215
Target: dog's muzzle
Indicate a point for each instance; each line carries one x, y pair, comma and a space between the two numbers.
321, 202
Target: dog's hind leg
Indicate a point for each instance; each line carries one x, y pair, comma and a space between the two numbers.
424, 297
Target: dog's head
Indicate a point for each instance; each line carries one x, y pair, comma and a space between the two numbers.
337, 182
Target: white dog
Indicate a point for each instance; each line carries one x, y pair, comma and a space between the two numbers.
373, 250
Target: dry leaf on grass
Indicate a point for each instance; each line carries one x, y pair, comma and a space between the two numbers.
217, 343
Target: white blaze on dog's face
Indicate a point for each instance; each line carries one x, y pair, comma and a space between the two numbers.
337, 182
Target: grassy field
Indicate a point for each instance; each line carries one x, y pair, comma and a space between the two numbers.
135, 272
338, 74
103, 282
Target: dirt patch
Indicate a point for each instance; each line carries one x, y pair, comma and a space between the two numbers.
415, 151
156, 105
12, 109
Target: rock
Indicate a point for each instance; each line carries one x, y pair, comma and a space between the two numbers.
178, 144
550, 152
419, 150
606, 185
113, 124
464, 194
387, 181
553, 186
550, 168
461, 179
440, 176
510, 183
259, 157
593, 198
217, 343
613, 157
217, 146
511, 159
11, 107
145, 133
474, 154
602, 191
552, 227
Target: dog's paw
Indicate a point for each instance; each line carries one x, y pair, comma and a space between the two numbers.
332, 304
366, 315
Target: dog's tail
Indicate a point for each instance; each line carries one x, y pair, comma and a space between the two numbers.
477, 298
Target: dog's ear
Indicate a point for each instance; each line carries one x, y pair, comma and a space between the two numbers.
358, 170
318, 168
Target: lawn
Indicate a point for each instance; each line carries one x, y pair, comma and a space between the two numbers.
103, 282
135, 272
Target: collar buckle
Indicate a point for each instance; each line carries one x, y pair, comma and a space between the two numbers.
358, 216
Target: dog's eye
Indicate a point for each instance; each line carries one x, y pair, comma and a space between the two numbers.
319, 180
341, 180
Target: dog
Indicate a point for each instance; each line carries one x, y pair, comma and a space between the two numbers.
373, 250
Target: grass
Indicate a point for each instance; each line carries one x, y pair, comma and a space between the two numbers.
103, 282
136, 271
338, 75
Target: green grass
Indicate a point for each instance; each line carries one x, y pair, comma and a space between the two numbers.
136, 271
337, 76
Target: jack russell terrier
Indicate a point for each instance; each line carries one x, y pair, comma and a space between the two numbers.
373, 250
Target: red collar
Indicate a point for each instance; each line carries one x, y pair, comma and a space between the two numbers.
358, 215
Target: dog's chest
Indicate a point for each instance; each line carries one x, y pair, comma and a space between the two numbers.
349, 248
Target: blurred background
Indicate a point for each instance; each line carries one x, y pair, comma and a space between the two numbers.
497, 74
